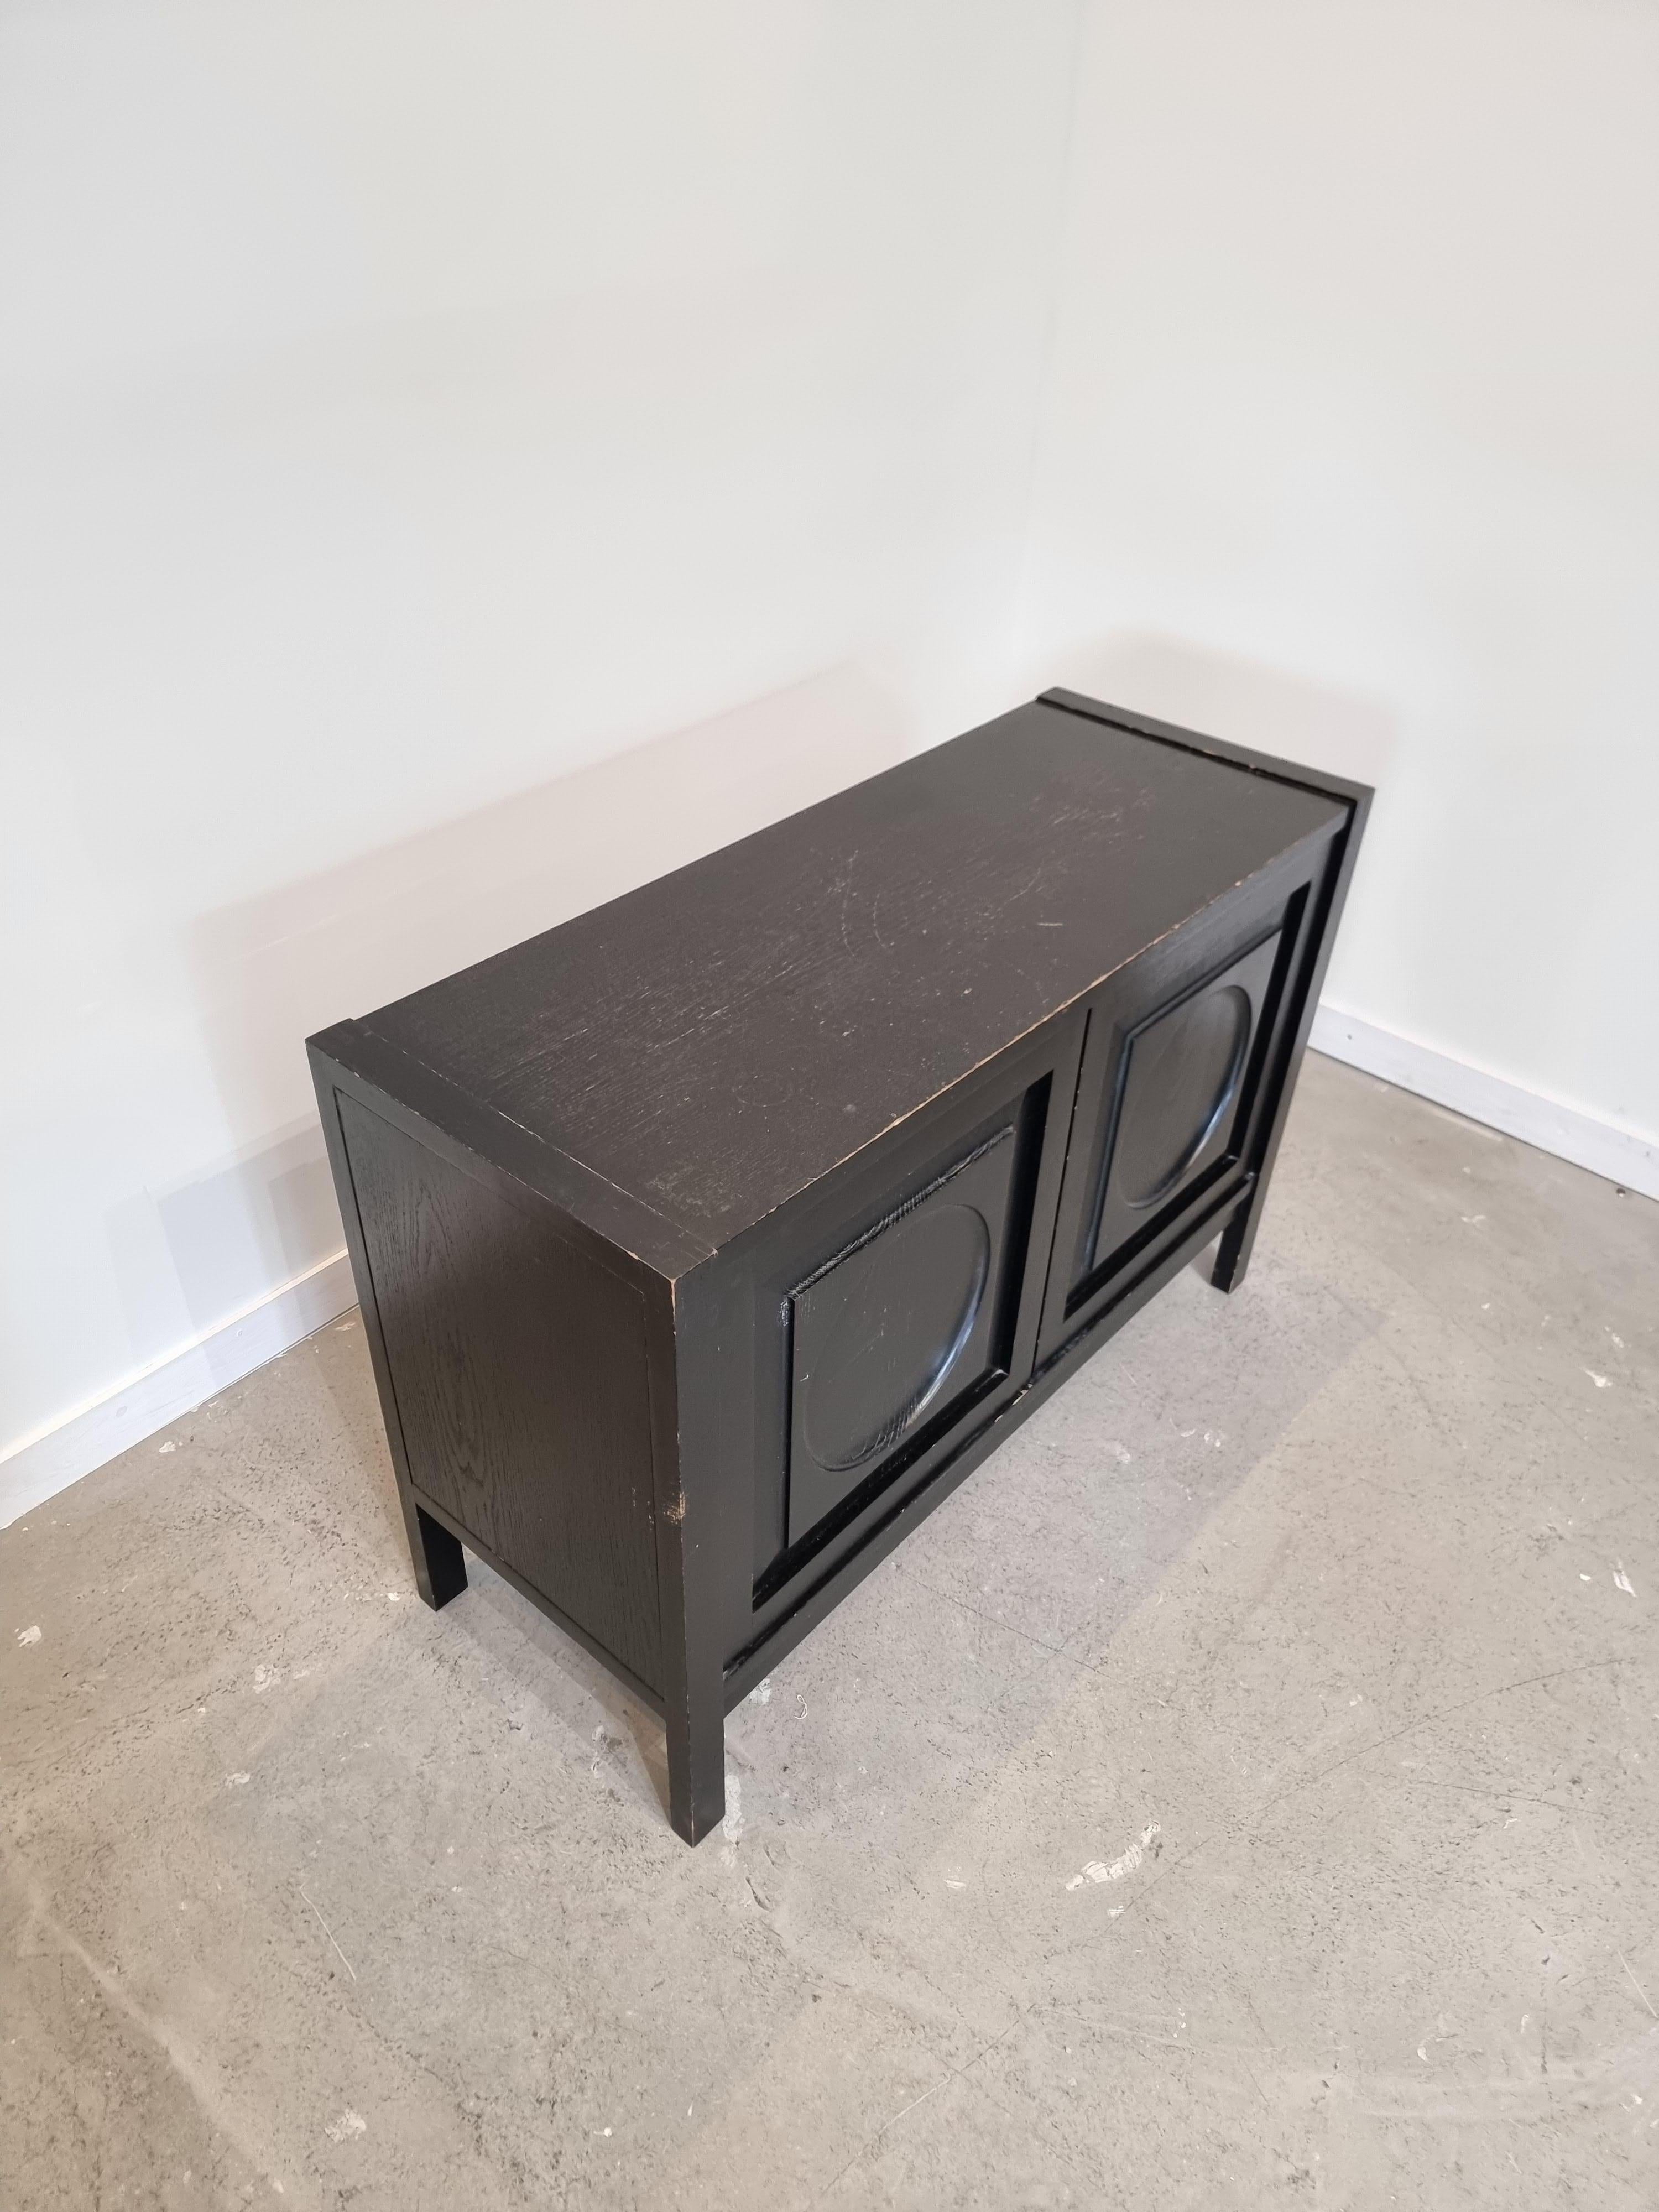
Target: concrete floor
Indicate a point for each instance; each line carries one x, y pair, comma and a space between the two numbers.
1242, 1792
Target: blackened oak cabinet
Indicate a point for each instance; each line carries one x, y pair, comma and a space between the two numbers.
706, 1242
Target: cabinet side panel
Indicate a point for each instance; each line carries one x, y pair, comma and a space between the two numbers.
519, 1365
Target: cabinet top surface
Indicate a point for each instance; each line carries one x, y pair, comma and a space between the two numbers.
718, 1039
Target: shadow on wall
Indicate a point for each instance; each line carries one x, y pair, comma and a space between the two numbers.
272, 969
1244, 701
190, 1257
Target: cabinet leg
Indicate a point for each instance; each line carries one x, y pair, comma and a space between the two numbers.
440, 1562
1232, 1257
696, 1770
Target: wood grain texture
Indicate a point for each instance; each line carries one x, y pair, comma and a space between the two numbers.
519, 1365
718, 1040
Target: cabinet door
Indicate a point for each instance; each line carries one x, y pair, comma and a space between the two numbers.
895, 1308
906, 1325
1182, 1059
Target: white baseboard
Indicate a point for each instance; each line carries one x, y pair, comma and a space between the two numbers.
48, 1461
42, 1465
1623, 1155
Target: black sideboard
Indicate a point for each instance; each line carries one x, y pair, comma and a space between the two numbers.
706, 1242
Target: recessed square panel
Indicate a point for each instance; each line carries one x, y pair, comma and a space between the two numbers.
1182, 1078
893, 1334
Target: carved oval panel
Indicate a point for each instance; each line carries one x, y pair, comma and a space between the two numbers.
1183, 1076
912, 1296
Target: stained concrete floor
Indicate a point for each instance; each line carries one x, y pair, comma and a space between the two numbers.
1241, 1793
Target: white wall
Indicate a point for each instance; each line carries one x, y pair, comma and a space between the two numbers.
402, 406
1351, 450
457, 460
